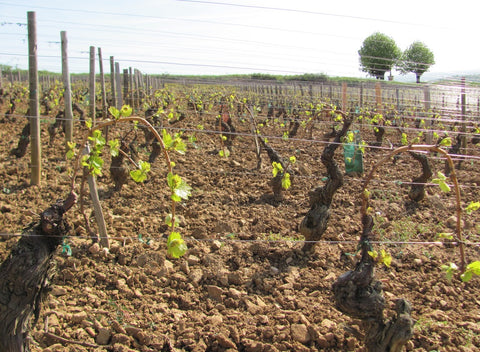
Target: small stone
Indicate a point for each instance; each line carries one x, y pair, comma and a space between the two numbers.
79, 317
215, 292
103, 336
53, 320
216, 245
196, 276
215, 320
94, 248
300, 333
142, 260
223, 227
351, 341
58, 291
224, 341
133, 331
122, 339
322, 342
328, 324
330, 277
118, 327
234, 293
193, 260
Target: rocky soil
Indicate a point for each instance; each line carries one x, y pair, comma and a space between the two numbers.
244, 284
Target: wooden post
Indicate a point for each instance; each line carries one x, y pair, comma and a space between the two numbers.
102, 82
427, 115
67, 95
397, 93
125, 85
378, 97
118, 84
344, 96
92, 84
130, 75
361, 96
97, 207
112, 81
36, 156
464, 117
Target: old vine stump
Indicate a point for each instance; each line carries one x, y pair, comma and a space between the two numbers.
315, 222
359, 295
26, 274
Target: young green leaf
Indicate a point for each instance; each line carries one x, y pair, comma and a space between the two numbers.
140, 174
446, 142
286, 182
71, 150
404, 139
114, 112
373, 254
114, 147
168, 220
472, 269
473, 206
445, 235
176, 246
179, 188
277, 168
450, 270
386, 258
126, 111
440, 180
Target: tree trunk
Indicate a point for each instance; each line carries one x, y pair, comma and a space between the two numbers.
26, 275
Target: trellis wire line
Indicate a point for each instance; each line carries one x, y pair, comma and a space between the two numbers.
423, 115
465, 157
230, 240
249, 134
263, 174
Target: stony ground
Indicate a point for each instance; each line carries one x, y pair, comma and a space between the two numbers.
244, 284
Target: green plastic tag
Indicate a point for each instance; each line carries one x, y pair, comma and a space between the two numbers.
353, 155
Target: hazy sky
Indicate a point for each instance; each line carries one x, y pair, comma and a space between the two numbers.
237, 36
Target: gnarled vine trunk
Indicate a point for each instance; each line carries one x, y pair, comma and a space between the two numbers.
315, 222
359, 295
26, 274
417, 190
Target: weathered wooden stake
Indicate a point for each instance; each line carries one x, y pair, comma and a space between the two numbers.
91, 90
36, 156
112, 81
463, 103
118, 84
102, 83
427, 115
97, 207
67, 95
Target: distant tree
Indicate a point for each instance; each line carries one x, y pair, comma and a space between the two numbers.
417, 59
378, 54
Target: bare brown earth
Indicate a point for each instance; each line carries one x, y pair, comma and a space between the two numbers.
244, 284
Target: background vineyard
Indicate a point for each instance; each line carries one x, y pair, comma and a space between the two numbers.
233, 216
245, 283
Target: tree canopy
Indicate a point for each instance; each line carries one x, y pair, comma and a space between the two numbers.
417, 58
379, 53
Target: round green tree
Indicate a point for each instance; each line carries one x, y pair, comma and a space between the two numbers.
417, 59
379, 53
